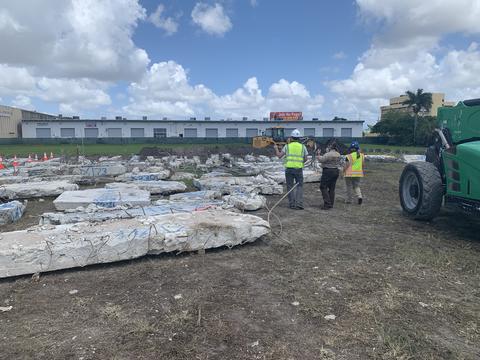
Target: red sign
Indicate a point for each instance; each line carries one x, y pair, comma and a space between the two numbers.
286, 116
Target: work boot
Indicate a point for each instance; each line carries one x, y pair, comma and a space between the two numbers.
360, 201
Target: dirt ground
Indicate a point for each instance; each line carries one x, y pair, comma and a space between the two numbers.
399, 289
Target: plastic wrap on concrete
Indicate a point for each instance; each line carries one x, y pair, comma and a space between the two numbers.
144, 176
35, 189
101, 170
95, 213
47, 248
381, 158
412, 158
154, 187
11, 212
107, 198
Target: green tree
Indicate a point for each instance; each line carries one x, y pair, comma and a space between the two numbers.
398, 126
418, 102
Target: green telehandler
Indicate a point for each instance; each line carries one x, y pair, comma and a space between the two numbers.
451, 172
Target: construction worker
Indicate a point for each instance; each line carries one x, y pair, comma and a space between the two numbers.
295, 155
353, 172
331, 163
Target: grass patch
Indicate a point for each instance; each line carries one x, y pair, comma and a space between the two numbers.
392, 149
22, 150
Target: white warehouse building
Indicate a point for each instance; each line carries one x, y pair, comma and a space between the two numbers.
110, 128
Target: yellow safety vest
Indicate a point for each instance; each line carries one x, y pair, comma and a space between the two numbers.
294, 155
355, 165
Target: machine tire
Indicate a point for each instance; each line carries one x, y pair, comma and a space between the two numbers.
421, 190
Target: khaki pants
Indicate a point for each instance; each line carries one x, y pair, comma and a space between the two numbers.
353, 183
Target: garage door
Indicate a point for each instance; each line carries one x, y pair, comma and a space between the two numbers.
91, 132
346, 132
190, 133
67, 132
328, 132
309, 132
211, 133
232, 133
114, 132
43, 133
137, 132
251, 132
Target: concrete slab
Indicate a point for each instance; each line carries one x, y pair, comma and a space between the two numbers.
154, 187
11, 212
144, 176
47, 248
100, 214
100, 170
412, 158
35, 189
107, 198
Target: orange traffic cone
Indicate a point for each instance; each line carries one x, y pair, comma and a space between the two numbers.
29, 158
1, 163
51, 155
36, 157
45, 157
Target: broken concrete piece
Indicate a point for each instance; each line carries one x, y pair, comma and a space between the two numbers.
195, 195
412, 158
100, 170
240, 184
11, 212
154, 187
144, 176
47, 248
248, 202
35, 189
107, 198
178, 176
381, 158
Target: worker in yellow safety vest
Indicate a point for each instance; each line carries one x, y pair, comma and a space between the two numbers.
295, 156
353, 172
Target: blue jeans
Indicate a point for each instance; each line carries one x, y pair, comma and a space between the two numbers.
295, 198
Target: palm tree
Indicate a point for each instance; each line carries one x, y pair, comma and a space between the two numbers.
418, 102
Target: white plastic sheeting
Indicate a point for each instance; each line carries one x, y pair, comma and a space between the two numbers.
144, 176
412, 158
35, 189
11, 212
154, 187
47, 248
107, 198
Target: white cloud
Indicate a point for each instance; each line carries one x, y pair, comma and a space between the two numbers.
74, 38
169, 24
406, 54
254, 3
69, 52
165, 90
23, 102
212, 19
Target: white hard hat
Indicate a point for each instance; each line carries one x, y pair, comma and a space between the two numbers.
296, 133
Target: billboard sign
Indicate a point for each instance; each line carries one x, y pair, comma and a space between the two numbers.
286, 116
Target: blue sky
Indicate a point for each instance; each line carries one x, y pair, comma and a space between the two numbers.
234, 58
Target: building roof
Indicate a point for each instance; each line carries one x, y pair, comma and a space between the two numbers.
284, 123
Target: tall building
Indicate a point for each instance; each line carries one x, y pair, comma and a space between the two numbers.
11, 120
397, 104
